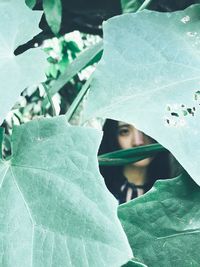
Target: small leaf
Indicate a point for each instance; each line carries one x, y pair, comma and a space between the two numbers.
62, 65
53, 71
53, 14
163, 226
71, 45
55, 208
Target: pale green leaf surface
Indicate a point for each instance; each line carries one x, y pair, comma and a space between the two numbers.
55, 208
152, 60
53, 14
163, 226
18, 25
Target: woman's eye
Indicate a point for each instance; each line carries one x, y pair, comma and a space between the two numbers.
124, 132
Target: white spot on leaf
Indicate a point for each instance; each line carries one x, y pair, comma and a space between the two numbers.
185, 19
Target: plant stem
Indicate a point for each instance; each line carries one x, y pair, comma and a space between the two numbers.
144, 5
78, 99
50, 99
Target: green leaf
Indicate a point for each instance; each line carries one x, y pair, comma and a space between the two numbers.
147, 150
62, 65
71, 45
55, 208
131, 5
163, 225
127, 156
148, 67
53, 71
78, 64
53, 14
119, 161
131, 155
18, 24
31, 3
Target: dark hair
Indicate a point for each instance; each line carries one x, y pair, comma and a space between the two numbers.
113, 176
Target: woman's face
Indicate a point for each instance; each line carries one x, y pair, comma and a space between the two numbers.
128, 137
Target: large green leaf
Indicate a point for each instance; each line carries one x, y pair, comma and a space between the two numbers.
149, 69
53, 14
55, 209
18, 24
163, 225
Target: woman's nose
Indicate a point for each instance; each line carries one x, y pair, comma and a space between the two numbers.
138, 138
